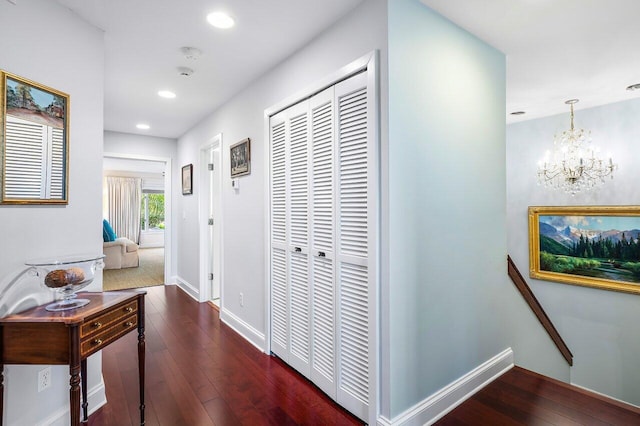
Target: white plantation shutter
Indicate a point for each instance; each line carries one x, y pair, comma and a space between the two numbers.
25, 156
354, 280
323, 257
34, 160
56, 180
279, 268
322, 250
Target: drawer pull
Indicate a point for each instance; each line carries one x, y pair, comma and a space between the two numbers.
96, 324
128, 324
128, 309
97, 342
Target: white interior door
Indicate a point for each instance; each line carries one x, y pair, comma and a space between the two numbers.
355, 246
322, 218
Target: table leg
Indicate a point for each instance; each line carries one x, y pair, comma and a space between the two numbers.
1, 392
85, 403
141, 356
74, 372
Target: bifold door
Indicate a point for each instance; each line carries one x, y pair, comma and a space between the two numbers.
323, 211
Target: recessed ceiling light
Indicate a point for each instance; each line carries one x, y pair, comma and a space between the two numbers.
634, 87
143, 126
518, 113
166, 94
220, 20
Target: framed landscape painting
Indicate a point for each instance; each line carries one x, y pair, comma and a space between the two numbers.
593, 246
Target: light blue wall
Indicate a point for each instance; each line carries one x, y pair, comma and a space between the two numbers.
451, 304
600, 327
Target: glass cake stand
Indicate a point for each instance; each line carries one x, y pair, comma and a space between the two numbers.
66, 276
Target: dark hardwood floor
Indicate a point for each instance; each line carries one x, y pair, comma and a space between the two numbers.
522, 397
200, 372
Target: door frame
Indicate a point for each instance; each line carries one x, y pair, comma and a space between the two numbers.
204, 294
169, 230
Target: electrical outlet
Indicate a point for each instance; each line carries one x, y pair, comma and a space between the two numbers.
44, 379
241, 299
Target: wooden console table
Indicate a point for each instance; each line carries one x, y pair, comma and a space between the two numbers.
37, 336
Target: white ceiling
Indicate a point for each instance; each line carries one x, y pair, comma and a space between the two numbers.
557, 49
142, 52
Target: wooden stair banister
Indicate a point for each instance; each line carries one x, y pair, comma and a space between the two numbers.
537, 309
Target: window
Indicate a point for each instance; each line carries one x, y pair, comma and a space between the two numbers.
152, 208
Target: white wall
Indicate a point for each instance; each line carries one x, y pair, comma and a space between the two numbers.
66, 55
451, 305
361, 32
600, 327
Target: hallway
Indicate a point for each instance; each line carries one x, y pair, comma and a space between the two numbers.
200, 372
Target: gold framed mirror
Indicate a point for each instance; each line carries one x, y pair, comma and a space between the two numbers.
34, 142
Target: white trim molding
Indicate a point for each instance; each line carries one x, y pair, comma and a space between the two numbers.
190, 289
244, 329
455, 393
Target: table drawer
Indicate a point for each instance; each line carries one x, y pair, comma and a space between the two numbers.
117, 329
105, 320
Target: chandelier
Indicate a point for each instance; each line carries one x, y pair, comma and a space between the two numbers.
574, 165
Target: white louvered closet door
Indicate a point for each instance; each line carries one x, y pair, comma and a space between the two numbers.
355, 267
323, 359
298, 215
323, 189
278, 231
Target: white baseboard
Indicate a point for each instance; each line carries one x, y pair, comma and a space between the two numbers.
605, 395
192, 291
253, 336
96, 397
455, 393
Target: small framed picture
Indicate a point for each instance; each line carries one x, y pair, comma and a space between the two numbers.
240, 154
187, 179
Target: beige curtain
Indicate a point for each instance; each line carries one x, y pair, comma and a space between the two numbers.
124, 195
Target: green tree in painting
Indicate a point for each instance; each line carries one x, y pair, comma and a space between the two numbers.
12, 98
24, 94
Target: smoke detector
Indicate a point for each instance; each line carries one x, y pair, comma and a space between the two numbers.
185, 71
191, 53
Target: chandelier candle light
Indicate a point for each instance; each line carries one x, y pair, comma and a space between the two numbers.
574, 164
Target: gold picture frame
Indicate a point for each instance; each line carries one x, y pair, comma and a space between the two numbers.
591, 246
34, 142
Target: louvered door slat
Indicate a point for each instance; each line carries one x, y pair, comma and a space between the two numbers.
354, 368
279, 266
279, 305
278, 184
297, 143
352, 257
324, 322
298, 180
323, 368
299, 312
